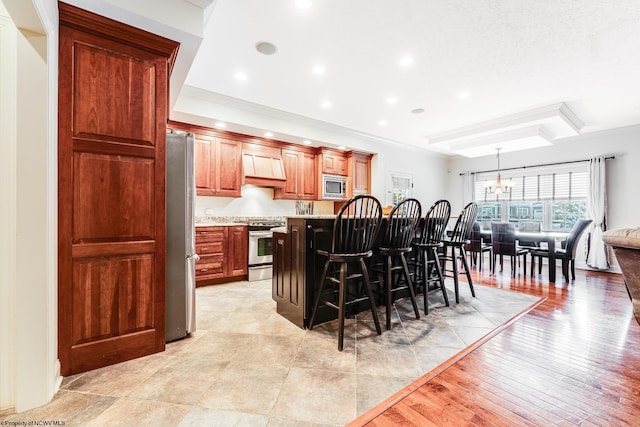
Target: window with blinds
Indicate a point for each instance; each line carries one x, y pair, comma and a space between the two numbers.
559, 183
555, 196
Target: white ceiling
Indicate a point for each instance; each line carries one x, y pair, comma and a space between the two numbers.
576, 59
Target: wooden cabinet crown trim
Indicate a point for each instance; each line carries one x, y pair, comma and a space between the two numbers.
80, 19
245, 139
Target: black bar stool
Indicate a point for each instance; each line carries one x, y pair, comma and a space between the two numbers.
427, 243
456, 241
354, 232
401, 226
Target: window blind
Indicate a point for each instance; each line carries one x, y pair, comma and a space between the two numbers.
558, 182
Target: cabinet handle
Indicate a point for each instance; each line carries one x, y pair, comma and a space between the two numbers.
202, 233
204, 269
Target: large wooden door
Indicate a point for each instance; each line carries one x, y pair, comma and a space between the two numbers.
112, 121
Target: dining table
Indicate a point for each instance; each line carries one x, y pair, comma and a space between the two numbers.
549, 237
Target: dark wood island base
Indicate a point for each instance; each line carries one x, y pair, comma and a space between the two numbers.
297, 269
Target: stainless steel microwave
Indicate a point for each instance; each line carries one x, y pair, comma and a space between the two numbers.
334, 187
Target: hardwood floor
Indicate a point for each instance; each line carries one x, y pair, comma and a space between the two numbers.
572, 360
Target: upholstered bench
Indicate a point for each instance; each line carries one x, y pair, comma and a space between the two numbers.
626, 245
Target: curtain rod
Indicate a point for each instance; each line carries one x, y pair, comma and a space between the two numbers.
537, 166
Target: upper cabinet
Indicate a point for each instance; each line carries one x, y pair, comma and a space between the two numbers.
217, 163
359, 165
226, 160
302, 175
333, 162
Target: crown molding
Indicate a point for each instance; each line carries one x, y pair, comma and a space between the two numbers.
511, 140
557, 120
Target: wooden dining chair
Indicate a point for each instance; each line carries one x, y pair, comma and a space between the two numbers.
566, 254
477, 247
503, 242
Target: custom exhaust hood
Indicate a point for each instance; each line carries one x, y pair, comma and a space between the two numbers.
263, 166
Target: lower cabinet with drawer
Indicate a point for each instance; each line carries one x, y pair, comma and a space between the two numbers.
222, 251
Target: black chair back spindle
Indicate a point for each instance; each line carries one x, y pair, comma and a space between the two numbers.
401, 224
464, 224
435, 223
357, 225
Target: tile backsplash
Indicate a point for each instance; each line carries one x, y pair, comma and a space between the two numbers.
255, 202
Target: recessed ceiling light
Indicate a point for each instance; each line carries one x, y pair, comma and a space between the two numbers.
417, 110
382, 123
268, 134
303, 4
306, 142
342, 147
407, 60
392, 100
326, 104
240, 76
266, 48
318, 70
463, 95
221, 125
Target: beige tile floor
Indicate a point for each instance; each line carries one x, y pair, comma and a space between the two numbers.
248, 366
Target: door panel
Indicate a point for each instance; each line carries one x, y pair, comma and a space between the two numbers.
113, 198
228, 176
112, 110
291, 161
120, 84
309, 177
111, 297
203, 147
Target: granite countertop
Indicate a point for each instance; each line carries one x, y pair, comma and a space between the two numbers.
313, 216
229, 221
218, 224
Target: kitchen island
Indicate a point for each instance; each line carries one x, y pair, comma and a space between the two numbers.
297, 269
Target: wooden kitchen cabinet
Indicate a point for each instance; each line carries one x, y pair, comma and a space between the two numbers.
238, 251
223, 252
302, 176
217, 165
359, 165
333, 162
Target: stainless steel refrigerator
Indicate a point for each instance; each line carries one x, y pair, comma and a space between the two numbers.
181, 247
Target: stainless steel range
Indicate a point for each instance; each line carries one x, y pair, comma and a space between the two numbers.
261, 248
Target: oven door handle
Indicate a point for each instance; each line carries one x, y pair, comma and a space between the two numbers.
267, 233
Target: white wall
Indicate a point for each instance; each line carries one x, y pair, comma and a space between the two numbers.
623, 172
31, 334
8, 164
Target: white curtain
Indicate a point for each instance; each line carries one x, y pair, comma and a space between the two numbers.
597, 208
467, 191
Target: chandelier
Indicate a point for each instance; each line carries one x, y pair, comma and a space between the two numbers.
498, 186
